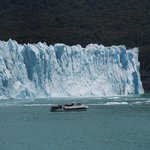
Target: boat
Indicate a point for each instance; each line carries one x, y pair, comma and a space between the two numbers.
68, 107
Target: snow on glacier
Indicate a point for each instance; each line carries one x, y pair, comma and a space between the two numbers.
39, 70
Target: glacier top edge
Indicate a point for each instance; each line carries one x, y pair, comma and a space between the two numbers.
87, 47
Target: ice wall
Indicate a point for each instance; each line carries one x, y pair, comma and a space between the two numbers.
39, 70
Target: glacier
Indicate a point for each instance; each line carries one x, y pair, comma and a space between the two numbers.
39, 70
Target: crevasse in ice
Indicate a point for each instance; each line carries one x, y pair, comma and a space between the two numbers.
39, 70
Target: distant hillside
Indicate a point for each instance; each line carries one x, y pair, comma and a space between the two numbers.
80, 21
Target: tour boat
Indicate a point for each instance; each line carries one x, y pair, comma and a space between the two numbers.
69, 107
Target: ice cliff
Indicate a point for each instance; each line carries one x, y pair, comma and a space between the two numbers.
39, 70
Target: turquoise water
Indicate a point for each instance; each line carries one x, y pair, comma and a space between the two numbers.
110, 123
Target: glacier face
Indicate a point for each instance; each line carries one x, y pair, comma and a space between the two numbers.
38, 70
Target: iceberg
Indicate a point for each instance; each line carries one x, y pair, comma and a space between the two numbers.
39, 70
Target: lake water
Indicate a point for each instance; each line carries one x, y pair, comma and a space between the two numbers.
110, 123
